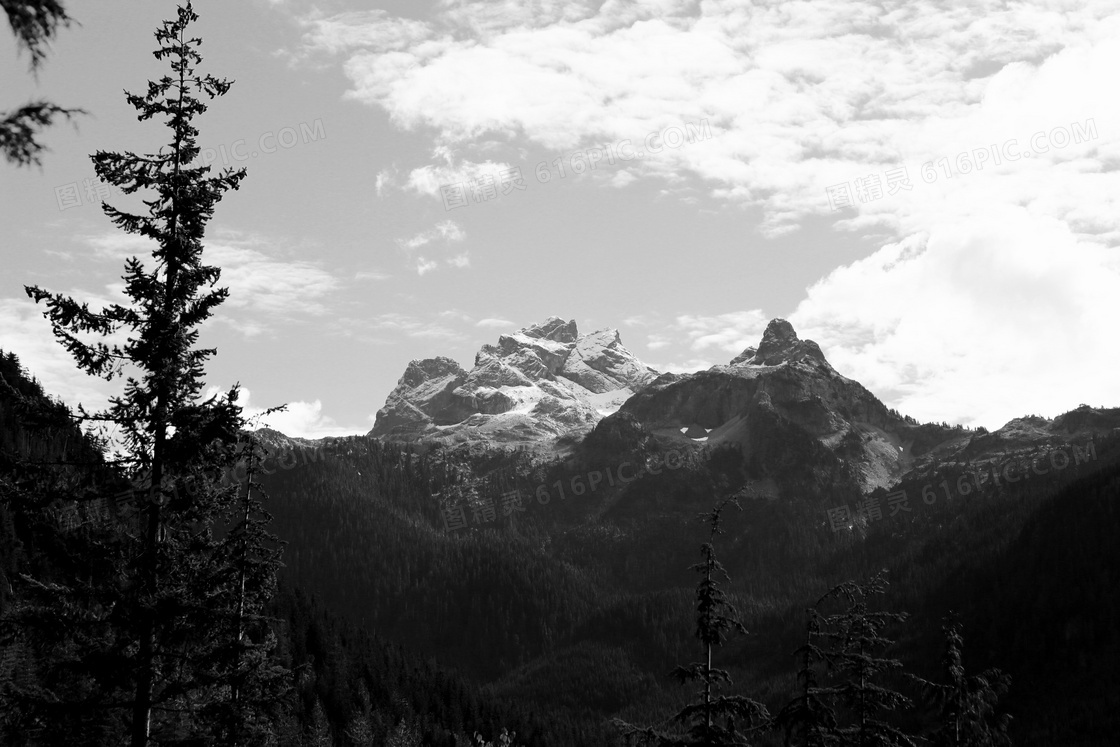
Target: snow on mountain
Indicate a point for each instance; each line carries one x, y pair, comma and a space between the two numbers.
539, 383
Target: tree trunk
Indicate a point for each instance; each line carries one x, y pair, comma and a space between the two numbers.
145, 679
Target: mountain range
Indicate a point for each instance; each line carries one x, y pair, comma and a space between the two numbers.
781, 405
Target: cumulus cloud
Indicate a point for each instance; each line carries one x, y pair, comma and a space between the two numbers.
975, 318
802, 98
451, 180
979, 140
263, 289
300, 419
731, 332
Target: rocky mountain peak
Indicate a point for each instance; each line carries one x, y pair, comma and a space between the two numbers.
779, 333
542, 381
553, 328
779, 345
430, 368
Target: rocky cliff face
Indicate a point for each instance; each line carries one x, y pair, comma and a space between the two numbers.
539, 383
778, 397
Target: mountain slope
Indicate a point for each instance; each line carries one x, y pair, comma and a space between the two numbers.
787, 411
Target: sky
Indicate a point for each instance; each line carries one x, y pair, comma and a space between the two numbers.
928, 190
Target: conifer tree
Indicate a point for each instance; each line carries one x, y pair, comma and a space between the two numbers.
319, 730
967, 705
190, 650
404, 735
809, 720
359, 731
858, 640
713, 720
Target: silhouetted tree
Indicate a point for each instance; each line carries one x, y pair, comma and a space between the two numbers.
856, 641
190, 643
967, 705
809, 720
713, 719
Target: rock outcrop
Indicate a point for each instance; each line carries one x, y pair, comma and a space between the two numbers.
537, 384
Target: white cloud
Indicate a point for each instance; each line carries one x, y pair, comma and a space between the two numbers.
997, 285
117, 247
262, 288
410, 326
260, 283
690, 365
622, 178
975, 320
496, 323
359, 29
300, 419
456, 315
445, 232
385, 181
460, 260
454, 174
798, 99
731, 332
25, 332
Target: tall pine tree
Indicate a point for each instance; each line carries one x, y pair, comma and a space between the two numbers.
809, 720
190, 656
713, 719
967, 705
856, 644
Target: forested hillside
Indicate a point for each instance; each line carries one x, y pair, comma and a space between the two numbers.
583, 617
346, 678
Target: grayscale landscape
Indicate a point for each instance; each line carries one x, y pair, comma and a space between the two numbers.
528, 373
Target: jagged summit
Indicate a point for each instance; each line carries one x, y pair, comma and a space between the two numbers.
553, 328
772, 400
779, 345
542, 381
